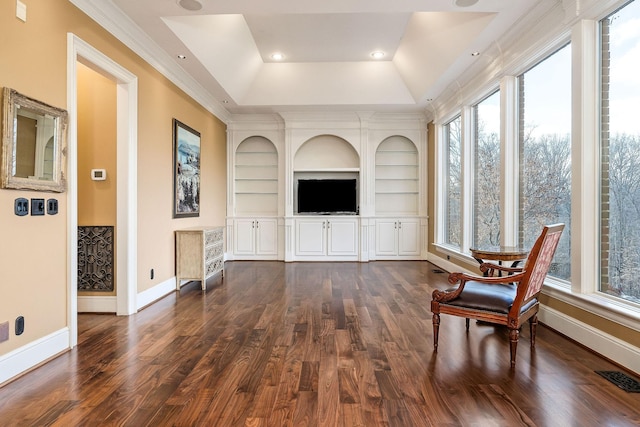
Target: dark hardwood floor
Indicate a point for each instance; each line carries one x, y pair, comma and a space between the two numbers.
312, 344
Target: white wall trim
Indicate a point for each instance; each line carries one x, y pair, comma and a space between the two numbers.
127, 164
97, 304
600, 342
32, 354
153, 294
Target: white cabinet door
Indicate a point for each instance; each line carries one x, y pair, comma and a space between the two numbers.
266, 236
387, 237
408, 237
342, 237
327, 238
310, 237
244, 237
397, 237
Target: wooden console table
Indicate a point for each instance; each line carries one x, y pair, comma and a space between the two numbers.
199, 254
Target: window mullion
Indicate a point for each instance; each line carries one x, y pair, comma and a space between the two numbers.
509, 161
585, 159
468, 132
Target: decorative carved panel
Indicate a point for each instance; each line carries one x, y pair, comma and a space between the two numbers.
95, 258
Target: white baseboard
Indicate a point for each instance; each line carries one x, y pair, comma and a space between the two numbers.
155, 293
97, 304
28, 356
607, 345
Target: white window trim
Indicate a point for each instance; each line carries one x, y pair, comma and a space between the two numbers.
467, 150
585, 160
509, 161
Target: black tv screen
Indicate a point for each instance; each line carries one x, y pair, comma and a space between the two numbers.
327, 196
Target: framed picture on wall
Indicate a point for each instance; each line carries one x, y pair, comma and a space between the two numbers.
186, 171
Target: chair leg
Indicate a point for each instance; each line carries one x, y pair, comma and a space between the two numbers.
533, 326
466, 323
514, 334
436, 329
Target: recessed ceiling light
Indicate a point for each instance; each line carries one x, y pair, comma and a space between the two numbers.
465, 3
192, 5
476, 53
377, 54
277, 56
182, 57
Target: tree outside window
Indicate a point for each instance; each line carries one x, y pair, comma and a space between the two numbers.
453, 194
486, 195
545, 154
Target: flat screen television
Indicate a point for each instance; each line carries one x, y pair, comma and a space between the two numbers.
327, 196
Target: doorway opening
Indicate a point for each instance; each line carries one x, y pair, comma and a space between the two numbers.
126, 177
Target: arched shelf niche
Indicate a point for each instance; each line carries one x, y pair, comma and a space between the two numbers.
327, 157
256, 177
326, 153
397, 177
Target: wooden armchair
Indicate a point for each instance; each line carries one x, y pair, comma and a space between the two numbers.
508, 300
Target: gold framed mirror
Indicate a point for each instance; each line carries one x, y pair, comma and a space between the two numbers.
34, 142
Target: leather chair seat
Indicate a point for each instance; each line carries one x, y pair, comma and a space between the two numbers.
481, 296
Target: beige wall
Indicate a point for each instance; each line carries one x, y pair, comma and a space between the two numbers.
96, 147
33, 253
96, 150
623, 333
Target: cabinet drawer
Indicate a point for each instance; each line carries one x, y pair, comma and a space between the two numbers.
212, 236
213, 266
213, 251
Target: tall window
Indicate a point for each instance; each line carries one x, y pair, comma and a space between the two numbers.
453, 194
486, 194
545, 154
620, 139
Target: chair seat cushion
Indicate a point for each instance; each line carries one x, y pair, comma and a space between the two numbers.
481, 296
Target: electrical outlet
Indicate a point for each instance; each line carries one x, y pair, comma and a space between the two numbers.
52, 206
4, 331
21, 206
19, 325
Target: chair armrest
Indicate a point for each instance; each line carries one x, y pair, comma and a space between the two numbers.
450, 295
489, 268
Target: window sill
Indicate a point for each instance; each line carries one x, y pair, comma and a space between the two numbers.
452, 251
598, 304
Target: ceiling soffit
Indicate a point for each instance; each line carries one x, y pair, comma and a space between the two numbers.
318, 69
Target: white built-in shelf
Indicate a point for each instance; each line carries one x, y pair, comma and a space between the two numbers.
256, 177
396, 177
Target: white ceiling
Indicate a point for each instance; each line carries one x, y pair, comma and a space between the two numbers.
326, 44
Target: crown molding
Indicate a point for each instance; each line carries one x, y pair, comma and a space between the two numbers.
112, 19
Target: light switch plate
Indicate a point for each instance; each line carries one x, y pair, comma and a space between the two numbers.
21, 11
37, 207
